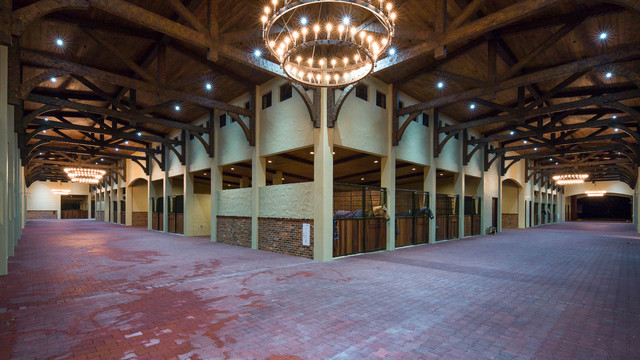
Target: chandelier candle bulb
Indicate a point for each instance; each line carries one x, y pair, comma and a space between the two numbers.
285, 34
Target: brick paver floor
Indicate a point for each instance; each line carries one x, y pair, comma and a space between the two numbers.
85, 289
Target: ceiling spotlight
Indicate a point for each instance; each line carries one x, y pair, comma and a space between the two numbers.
126, 142
511, 132
525, 141
257, 53
550, 159
139, 134
233, 168
615, 117
53, 79
603, 36
616, 129
59, 42
392, 51
413, 169
117, 149
40, 153
46, 119
346, 20
556, 163
208, 86
472, 106
177, 108
44, 131
535, 149
311, 153
269, 161
375, 161
608, 75
362, 179
305, 21
440, 84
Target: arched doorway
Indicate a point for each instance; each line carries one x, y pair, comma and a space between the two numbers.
137, 203
511, 207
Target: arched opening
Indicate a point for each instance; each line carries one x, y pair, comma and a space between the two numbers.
610, 207
137, 203
511, 207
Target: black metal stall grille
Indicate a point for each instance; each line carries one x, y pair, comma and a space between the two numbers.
356, 229
176, 214
412, 221
472, 215
446, 216
157, 213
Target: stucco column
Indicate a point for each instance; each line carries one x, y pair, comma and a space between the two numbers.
166, 192
499, 212
258, 172
388, 173
107, 204
459, 189
277, 178
216, 186
323, 186
118, 218
151, 194
188, 196
90, 205
485, 216
10, 184
4, 243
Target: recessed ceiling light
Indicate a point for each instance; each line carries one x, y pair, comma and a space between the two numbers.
603, 36
59, 42
472, 106
375, 161
269, 161
257, 53
362, 179
440, 85
615, 117
525, 141
208, 86
616, 129
535, 149
53, 79
512, 132
233, 168
413, 169
304, 21
177, 107
608, 75
311, 152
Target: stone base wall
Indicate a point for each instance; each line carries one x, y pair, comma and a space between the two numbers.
42, 214
139, 218
509, 221
284, 236
234, 230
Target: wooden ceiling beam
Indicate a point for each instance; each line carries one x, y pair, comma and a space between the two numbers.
92, 153
630, 53
493, 21
554, 143
130, 116
35, 58
595, 100
554, 129
114, 133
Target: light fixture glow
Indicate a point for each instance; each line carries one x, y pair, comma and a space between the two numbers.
603, 35
440, 85
177, 108
472, 106
59, 42
208, 86
257, 53
53, 79
608, 75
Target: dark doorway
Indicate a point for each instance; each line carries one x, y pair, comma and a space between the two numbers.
609, 207
494, 212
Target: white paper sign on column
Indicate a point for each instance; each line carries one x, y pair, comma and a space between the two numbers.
306, 234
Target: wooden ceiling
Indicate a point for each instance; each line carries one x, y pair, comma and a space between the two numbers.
536, 68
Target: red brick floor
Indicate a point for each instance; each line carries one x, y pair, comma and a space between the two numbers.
88, 290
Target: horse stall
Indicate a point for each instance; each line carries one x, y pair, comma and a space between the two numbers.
447, 216
412, 217
360, 218
158, 209
536, 214
472, 214
176, 214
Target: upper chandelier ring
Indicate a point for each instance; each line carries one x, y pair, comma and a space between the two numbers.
331, 50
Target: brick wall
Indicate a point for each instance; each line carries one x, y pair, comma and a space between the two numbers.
42, 214
139, 218
509, 221
284, 236
234, 230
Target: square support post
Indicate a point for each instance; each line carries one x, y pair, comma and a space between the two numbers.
323, 185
